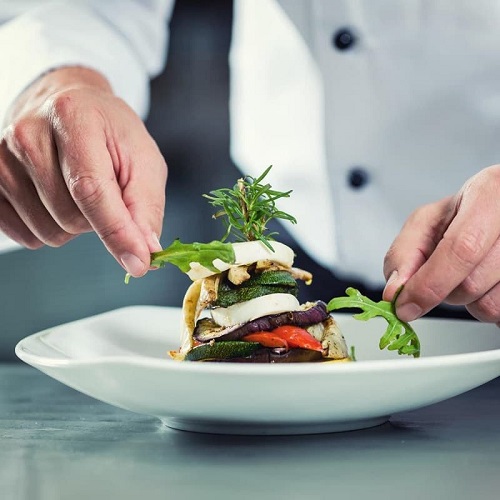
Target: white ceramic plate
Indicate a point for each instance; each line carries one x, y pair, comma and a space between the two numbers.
120, 357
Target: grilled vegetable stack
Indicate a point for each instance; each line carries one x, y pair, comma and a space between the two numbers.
249, 312
242, 305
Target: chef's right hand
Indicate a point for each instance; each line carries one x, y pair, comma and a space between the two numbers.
75, 158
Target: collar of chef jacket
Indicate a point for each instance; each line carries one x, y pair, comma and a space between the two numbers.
402, 114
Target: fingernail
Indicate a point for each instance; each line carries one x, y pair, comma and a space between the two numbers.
156, 241
393, 277
409, 312
132, 264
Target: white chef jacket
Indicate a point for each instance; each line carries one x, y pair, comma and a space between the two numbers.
366, 108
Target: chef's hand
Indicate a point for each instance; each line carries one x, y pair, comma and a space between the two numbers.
449, 252
75, 158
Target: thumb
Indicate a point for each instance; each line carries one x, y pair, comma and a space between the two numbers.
414, 244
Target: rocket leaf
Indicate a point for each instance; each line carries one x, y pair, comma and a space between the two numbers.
399, 335
183, 254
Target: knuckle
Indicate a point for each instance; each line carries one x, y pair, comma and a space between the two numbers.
86, 189
76, 226
485, 309
468, 248
112, 231
24, 238
31, 243
55, 238
63, 104
67, 109
470, 288
21, 135
74, 223
155, 212
431, 295
468, 291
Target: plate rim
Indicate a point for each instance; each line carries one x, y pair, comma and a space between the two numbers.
22, 351
440, 361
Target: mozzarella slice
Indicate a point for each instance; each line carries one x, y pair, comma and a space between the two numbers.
255, 308
246, 252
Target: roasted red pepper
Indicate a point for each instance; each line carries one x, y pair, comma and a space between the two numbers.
290, 336
267, 339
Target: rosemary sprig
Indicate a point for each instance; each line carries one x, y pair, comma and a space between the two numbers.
248, 207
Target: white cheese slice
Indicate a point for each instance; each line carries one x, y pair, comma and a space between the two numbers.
255, 308
246, 252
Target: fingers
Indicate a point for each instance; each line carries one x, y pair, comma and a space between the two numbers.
31, 142
91, 182
25, 218
414, 244
143, 184
480, 291
480, 281
146, 201
111, 187
13, 226
462, 247
487, 307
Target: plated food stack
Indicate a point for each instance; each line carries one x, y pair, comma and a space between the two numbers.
249, 311
242, 305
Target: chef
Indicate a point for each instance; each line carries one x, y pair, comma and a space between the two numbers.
382, 115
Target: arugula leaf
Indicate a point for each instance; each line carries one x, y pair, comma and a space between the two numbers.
182, 254
399, 335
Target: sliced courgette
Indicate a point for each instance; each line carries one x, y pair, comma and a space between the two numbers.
231, 297
222, 350
259, 284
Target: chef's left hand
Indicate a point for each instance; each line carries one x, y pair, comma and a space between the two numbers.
449, 251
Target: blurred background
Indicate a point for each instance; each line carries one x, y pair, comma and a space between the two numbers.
47, 287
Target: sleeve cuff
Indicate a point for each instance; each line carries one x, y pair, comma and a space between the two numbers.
69, 35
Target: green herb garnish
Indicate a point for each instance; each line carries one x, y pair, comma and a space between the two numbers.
248, 207
399, 335
183, 254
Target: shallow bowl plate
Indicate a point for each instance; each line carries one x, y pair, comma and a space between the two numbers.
121, 357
